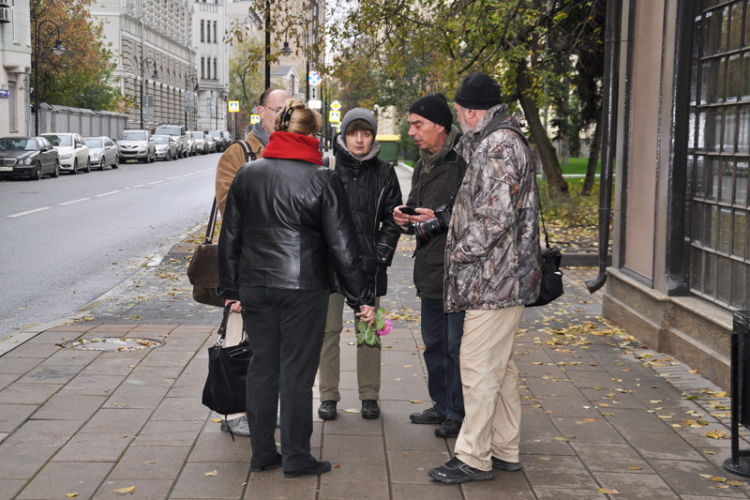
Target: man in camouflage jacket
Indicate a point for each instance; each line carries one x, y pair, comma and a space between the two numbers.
493, 269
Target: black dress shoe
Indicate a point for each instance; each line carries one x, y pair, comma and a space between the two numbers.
370, 409
327, 410
314, 469
273, 463
429, 416
449, 429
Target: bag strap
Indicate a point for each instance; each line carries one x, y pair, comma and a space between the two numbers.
330, 162
212, 223
249, 153
223, 327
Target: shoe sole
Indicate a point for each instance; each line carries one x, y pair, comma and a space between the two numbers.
508, 468
426, 423
296, 474
327, 417
447, 436
477, 477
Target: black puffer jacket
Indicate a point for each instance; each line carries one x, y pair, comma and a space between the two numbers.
373, 191
284, 221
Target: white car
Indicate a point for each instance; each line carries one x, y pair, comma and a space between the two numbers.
102, 151
74, 153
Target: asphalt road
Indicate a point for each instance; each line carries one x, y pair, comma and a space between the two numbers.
67, 241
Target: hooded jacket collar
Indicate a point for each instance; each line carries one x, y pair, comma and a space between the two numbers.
341, 146
291, 146
470, 141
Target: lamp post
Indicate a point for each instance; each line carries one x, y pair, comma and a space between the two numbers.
58, 50
144, 62
196, 89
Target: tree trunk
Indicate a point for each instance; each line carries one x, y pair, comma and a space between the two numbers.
558, 186
596, 146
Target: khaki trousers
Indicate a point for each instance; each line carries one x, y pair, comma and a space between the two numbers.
492, 425
368, 357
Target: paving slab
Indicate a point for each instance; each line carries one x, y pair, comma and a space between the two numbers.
151, 463
58, 479
228, 482
145, 489
359, 480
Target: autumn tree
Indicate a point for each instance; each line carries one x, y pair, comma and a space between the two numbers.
82, 75
246, 76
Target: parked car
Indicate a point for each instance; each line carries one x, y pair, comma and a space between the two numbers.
210, 143
74, 153
178, 132
136, 144
30, 157
221, 142
102, 152
201, 145
166, 147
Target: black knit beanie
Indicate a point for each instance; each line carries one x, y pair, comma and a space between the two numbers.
435, 108
478, 91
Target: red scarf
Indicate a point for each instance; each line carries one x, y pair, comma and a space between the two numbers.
291, 146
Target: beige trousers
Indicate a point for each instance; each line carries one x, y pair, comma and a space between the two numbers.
492, 426
368, 357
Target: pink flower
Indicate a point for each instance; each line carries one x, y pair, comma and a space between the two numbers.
386, 329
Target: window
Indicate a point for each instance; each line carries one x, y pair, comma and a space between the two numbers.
719, 153
203, 67
216, 73
12, 103
208, 31
215, 37
203, 37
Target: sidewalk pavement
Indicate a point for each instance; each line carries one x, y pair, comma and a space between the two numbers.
600, 412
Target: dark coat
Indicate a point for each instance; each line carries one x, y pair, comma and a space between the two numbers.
284, 221
373, 192
431, 189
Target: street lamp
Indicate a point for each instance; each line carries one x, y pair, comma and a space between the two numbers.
144, 62
196, 89
58, 50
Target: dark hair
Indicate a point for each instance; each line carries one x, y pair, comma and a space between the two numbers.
358, 125
264, 96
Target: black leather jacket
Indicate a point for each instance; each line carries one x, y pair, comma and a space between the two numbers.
373, 191
284, 221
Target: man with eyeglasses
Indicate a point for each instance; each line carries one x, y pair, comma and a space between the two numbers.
271, 102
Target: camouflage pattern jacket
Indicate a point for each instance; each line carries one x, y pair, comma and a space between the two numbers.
492, 256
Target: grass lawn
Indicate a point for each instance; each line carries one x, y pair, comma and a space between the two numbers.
578, 166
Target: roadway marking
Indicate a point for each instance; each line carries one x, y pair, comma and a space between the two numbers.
171, 178
28, 212
155, 182
107, 194
74, 201
188, 175
139, 186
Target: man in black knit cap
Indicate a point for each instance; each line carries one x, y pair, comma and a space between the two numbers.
436, 178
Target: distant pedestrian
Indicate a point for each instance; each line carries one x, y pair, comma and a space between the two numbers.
437, 176
286, 218
373, 192
271, 101
492, 272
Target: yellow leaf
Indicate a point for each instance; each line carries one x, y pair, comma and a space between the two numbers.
408, 366
736, 483
71, 495
352, 410
693, 372
705, 476
715, 434
720, 394
416, 401
608, 491
216, 420
634, 467
125, 491
212, 473
707, 452
719, 479
546, 459
561, 438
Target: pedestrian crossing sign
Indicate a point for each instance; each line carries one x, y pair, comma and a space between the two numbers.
334, 116
234, 106
254, 119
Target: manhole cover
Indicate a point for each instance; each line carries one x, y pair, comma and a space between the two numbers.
112, 344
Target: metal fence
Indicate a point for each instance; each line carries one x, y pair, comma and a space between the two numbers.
82, 121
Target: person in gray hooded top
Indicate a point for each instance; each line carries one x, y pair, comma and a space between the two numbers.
373, 192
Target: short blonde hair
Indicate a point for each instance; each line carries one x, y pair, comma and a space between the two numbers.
297, 118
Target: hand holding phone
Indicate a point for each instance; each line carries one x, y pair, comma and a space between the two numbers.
408, 210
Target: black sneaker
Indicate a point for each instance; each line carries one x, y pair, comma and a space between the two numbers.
449, 429
370, 409
273, 463
314, 469
327, 410
454, 471
429, 416
506, 466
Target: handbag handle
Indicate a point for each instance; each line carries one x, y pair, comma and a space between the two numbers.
212, 223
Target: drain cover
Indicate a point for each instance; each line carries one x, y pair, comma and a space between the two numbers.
112, 344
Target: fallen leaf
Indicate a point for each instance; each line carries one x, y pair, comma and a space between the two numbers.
715, 434
546, 459
407, 454
634, 467
408, 366
125, 491
708, 452
71, 495
336, 466
561, 438
212, 473
692, 372
608, 491
719, 479
736, 483
416, 401
216, 420
352, 410
705, 476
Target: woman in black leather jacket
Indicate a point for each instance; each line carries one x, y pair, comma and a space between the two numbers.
286, 218
373, 191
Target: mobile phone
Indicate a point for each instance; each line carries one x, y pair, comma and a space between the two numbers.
408, 210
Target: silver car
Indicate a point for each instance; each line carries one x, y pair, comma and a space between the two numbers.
103, 152
201, 146
166, 147
136, 145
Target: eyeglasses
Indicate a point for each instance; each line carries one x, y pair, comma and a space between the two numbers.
275, 110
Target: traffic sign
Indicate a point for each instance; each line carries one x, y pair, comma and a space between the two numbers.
314, 78
254, 119
335, 105
334, 116
234, 106
315, 104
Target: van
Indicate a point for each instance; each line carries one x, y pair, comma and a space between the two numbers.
179, 134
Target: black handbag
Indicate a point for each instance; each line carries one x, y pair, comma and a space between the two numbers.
203, 271
224, 391
552, 277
